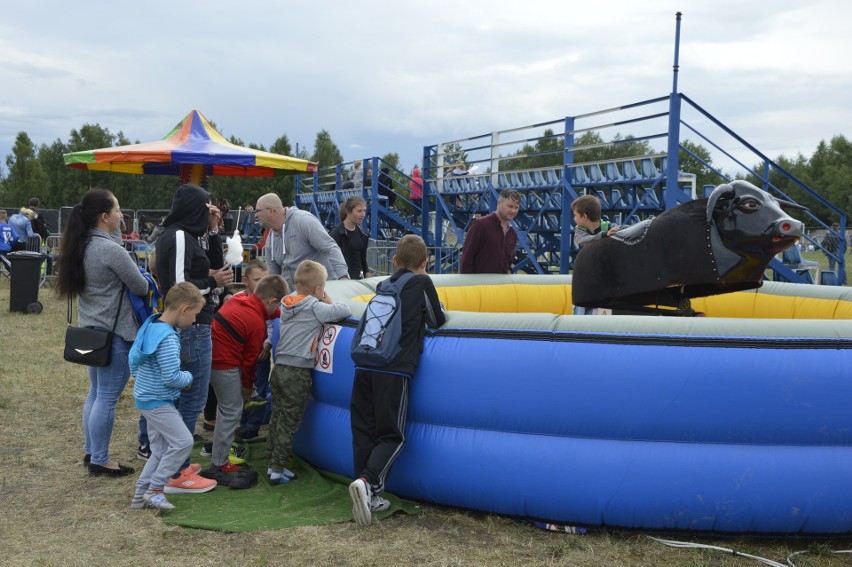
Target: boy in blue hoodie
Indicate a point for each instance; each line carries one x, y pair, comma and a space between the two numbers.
158, 380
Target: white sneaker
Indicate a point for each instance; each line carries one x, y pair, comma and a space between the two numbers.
359, 491
379, 504
284, 472
159, 501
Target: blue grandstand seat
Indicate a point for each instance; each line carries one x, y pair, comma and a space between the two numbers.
828, 278
629, 170
628, 198
596, 175
538, 178
553, 176
579, 177
526, 179
706, 190
664, 164
649, 170
792, 258
503, 181
612, 173
615, 199
514, 182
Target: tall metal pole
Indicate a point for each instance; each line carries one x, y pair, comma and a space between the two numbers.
676, 65
673, 195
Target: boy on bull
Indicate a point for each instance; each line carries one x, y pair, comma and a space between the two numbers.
590, 227
587, 217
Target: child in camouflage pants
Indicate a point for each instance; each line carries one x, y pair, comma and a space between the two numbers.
302, 317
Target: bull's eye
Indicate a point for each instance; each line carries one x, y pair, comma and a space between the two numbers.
748, 205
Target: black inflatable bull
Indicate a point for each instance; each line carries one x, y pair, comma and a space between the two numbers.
703, 247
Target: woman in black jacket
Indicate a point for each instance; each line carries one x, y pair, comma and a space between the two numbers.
353, 241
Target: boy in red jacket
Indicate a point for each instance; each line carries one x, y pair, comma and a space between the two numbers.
239, 330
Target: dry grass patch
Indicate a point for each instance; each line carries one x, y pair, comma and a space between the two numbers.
53, 514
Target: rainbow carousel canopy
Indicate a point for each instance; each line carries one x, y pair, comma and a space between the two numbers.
193, 142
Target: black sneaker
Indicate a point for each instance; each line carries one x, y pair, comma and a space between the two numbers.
98, 470
246, 434
144, 452
206, 450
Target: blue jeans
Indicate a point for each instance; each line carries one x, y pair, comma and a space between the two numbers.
196, 357
106, 385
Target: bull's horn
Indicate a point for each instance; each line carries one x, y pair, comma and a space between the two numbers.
723, 190
791, 205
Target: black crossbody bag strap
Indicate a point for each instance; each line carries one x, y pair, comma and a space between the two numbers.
227, 326
117, 313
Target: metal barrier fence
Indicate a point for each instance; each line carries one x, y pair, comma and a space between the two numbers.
380, 258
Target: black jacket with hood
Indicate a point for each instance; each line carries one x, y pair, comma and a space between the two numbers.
184, 250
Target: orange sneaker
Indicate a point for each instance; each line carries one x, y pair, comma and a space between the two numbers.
189, 483
193, 468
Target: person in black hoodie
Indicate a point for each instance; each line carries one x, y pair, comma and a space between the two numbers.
351, 239
379, 404
189, 249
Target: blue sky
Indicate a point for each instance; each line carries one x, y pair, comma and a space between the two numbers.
385, 76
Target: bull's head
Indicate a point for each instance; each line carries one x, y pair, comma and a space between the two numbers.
751, 219
751, 223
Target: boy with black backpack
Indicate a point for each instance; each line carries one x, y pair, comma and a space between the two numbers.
385, 361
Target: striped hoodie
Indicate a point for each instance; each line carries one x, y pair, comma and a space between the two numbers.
155, 364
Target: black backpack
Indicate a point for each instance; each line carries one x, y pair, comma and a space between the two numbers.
377, 337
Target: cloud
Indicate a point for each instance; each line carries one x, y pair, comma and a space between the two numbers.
385, 76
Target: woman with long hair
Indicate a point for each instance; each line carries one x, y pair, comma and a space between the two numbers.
95, 269
351, 239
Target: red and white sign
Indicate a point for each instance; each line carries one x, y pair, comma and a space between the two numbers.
324, 361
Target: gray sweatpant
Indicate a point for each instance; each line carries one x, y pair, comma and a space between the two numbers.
171, 444
229, 411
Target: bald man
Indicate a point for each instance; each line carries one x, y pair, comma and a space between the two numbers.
296, 235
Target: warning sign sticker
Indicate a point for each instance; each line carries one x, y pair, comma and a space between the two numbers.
324, 361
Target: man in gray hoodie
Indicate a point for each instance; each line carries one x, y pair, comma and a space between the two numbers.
296, 235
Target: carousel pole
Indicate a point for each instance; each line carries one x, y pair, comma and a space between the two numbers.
193, 173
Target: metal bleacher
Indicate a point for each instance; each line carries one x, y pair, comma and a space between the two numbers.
551, 164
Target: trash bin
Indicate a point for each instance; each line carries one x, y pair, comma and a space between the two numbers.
26, 274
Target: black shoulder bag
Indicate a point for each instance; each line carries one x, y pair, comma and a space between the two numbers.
87, 345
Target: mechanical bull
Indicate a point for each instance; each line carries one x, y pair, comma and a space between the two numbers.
704, 247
